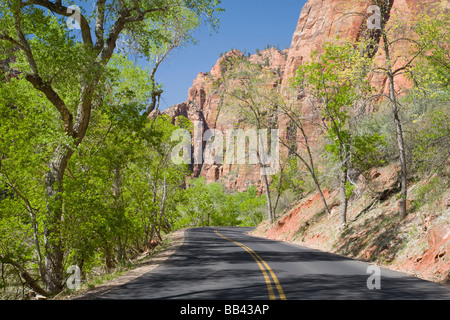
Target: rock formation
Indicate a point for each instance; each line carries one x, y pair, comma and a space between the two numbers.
203, 105
320, 21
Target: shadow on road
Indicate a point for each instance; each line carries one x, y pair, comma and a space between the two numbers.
208, 267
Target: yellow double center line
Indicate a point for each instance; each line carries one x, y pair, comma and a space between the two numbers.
265, 269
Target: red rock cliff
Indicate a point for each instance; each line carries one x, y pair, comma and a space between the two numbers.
203, 105
320, 21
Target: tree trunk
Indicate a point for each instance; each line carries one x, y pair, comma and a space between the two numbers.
262, 153
119, 209
162, 208
312, 171
322, 196
404, 172
343, 196
343, 155
29, 280
34, 223
52, 225
270, 212
399, 129
108, 258
54, 272
310, 166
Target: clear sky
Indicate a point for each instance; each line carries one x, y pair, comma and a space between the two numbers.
245, 25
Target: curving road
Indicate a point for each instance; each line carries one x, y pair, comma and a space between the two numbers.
229, 264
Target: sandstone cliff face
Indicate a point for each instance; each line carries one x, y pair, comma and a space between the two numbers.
203, 105
323, 21
320, 21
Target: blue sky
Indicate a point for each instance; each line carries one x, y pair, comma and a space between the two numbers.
245, 25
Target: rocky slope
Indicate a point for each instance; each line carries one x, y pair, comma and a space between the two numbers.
418, 245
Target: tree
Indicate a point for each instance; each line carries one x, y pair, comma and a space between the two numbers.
399, 45
118, 172
70, 74
288, 179
162, 176
206, 205
26, 131
298, 123
333, 84
103, 219
429, 98
248, 89
251, 207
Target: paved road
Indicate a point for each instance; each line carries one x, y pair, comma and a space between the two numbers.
228, 264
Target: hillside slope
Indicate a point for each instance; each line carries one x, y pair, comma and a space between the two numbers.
418, 245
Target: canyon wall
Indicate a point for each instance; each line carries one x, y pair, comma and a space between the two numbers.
320, 21
203, 104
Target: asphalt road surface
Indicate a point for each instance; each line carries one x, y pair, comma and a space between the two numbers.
229, 264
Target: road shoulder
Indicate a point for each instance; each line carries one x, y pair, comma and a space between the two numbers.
176, 239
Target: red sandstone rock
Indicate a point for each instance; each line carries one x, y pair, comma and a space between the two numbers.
320, 21
439, 235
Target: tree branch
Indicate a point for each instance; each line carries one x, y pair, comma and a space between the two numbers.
156, 93
141, 14
32, 283
123, 18
55, 99
408, 63
99, 24
37, 81
34, 224
11, 40
64, 11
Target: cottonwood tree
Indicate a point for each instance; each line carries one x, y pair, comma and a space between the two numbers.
333, 85
69, 72
210, 204
431, 76
288, 179
396, 46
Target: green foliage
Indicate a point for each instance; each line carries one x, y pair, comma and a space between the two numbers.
430, 139
251, 207
377, 125
210, 204
125, 185
85, 177
115, 182
349, 189
121, 190
289, 177
333, 79
431, 192
432, 70
366, 150
27, 138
